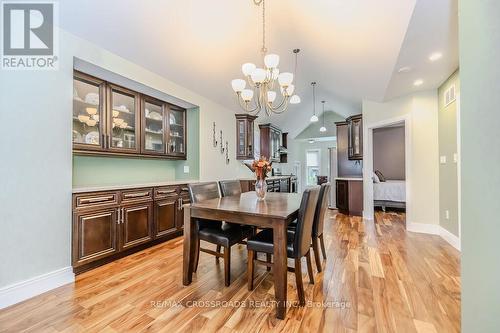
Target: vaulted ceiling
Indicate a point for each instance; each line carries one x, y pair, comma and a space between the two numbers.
351, 48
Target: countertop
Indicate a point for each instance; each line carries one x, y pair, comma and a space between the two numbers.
354, 178
129, 186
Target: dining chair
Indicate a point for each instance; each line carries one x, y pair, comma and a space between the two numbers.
317, 229
230, 187
221, 234
298, 243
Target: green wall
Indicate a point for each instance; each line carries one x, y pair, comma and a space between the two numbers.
98, 171
448, 173
480, 160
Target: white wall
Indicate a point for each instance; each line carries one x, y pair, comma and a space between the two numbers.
36, 150
421, 111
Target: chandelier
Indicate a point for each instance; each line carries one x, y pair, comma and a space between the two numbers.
264, 81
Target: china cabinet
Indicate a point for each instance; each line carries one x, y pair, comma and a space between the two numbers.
112, 120
244, 136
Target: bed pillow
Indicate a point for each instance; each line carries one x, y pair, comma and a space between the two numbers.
375, 178
380, 176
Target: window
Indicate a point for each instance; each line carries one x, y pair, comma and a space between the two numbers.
312, 165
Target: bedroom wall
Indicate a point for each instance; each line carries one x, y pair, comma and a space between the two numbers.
421, 109
479, 40
448, 148
389, 152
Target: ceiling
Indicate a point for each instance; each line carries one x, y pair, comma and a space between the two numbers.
350, 48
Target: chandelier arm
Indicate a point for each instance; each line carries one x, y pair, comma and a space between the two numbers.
284, 100
250, 82
244, 105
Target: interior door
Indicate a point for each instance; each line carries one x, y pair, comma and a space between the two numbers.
136, 224
95, 235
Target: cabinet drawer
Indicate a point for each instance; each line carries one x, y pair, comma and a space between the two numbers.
95, 199
135, 195
166, 191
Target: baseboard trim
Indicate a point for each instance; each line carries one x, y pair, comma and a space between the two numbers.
26, 289
435, 229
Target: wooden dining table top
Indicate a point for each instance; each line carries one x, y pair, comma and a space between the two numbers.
275, 205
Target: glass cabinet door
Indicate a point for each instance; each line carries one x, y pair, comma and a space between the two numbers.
249, 152
154, 127
123, 120
176, 132
87, 112
241, 133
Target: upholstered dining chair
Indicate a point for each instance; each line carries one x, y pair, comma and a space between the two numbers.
230, 187
298, 242
221, 234
317, 229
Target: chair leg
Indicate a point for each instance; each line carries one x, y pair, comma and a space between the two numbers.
268, 259
227, 266
309, 267
197, 258
315, 245
250, 269
218, 251
298, 279
322, 241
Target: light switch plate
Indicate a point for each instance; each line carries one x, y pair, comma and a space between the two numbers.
186, 169
455, 158
447, 214
442, 159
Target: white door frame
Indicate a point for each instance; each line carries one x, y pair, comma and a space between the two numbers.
368, 209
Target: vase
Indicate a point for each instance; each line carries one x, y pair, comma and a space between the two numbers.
261, 189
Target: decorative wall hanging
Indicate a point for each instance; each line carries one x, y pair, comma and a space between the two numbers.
214, 140
221, 144
227, 153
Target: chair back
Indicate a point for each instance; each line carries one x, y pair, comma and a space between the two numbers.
203, 191
230, 187
321, 207
302, 241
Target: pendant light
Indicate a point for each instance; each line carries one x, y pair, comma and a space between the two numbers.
323, 128
314, 117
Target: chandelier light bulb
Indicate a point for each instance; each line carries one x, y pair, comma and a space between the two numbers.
295, 99
83, 118
248, 68
258, 75
285, 79
271, 60
271, 96
247, 95
238, 85
314, 118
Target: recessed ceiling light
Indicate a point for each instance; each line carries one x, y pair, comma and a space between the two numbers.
418, 82
404, 69
435, 56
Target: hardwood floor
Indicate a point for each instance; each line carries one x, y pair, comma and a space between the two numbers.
377, 278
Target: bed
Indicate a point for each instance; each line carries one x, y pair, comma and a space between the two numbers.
391, 193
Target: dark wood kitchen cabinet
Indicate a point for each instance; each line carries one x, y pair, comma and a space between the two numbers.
270, 142
355, 137
111, 224
111, 120
245, 136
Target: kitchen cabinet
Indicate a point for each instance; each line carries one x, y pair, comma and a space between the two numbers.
245, 136
110, 224
349, 196
355, 137
112, 120
270, 142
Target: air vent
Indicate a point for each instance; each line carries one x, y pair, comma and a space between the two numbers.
449, 95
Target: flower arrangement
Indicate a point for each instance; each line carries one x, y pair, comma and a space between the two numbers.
261, 167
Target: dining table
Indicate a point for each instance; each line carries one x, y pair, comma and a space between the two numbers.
276, 211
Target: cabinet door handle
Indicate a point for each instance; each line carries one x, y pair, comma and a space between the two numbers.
96, 199
180, 203
165, 192
135, 195
123, 215
119, 211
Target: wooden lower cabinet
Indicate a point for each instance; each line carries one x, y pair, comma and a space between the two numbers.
137, 224
342, 195
349, 196
107, 229
95, 235
165, 217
